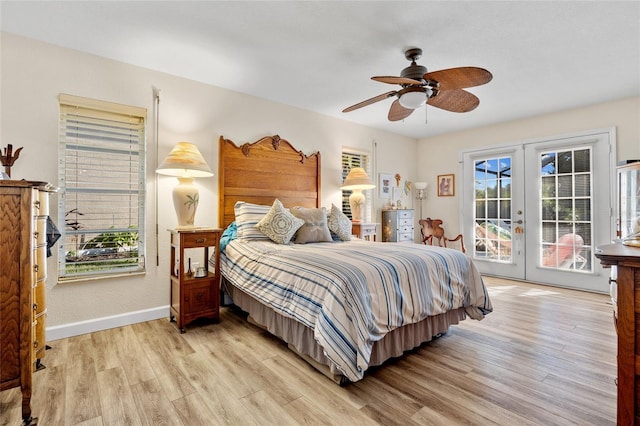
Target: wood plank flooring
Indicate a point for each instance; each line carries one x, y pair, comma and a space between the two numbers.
545, 356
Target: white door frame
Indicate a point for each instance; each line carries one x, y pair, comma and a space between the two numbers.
527, 268
516, 268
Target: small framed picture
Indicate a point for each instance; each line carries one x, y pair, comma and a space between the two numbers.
385, 185
446, 185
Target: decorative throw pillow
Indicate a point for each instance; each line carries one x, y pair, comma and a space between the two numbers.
247, 217
315, 229
279, 225
339, 223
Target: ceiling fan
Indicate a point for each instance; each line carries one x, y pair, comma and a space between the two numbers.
442, 89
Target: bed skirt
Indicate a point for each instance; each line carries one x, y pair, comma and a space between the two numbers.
300, 338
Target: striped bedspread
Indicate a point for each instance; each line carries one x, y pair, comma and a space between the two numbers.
353, 293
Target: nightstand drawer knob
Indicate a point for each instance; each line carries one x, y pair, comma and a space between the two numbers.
200, 240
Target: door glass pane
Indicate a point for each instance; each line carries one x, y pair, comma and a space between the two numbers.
582, 185
548, 210
565, 206
548, 166
582, 159
565, 186
564, 159
493, 209
548, 186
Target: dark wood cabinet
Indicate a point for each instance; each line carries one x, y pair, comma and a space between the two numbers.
627, 261
23, 215
194, 296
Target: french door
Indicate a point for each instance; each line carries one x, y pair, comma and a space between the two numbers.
536, 211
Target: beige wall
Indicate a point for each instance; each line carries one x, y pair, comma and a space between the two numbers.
440, 155
33, 74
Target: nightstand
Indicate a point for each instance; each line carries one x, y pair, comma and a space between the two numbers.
366, 231
194, 297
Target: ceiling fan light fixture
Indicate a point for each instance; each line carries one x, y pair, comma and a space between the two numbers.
413, 99
443, 89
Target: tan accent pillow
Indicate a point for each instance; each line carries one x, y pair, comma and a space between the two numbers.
315, 229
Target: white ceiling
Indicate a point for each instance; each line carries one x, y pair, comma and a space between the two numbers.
319, 56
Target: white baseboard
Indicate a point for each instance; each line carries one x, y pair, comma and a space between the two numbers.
104, 323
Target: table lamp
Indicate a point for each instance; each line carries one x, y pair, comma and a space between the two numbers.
356, 181
186, 163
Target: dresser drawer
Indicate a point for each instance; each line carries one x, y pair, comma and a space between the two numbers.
405, 214
40, 231
39, 265
198, 239
39, 341
39, 302
40, 206
408, 229
405, 236
405, 222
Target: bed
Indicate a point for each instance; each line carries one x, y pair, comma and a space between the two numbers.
341, 303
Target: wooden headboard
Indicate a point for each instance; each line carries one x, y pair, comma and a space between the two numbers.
264, 170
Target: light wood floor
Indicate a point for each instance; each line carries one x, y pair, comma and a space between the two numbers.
545, 356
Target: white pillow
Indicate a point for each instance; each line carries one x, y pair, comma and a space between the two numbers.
247, 217
339, 223
279, 224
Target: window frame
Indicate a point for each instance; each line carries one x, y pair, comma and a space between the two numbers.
96, 131
351, 158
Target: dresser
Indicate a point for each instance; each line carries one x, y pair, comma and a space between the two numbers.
397, 225
24, 209
627, 261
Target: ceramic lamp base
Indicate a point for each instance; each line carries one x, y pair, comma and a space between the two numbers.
185, 201
356, 201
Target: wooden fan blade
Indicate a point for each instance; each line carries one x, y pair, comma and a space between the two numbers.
454, 101
395, 80
370, 101
459, 78
397, 112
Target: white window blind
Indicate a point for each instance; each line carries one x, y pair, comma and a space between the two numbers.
350, 160
102, 179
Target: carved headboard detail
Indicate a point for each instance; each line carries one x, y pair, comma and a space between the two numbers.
264, 170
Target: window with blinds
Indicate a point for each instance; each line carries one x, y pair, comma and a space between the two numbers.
349, 161
102, 188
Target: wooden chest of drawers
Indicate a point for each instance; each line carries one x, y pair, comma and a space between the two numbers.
627, 260
24, 209
397, 225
